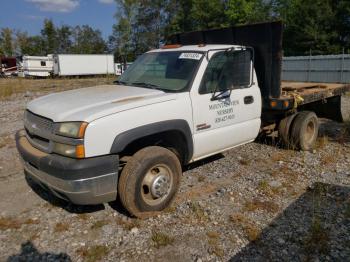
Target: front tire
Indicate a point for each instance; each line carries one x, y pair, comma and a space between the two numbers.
149, 181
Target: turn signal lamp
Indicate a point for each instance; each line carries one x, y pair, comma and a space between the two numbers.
273, 103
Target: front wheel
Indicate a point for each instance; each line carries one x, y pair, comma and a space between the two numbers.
149, 181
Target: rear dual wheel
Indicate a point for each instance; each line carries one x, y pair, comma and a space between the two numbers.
149, 181
299, 131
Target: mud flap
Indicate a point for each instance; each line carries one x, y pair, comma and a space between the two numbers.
329, 108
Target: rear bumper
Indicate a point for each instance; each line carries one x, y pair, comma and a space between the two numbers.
80, 181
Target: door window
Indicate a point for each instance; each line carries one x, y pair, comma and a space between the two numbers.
227, 70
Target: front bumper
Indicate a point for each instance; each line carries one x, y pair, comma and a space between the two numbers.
80, 181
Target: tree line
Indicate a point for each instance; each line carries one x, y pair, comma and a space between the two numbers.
311, 26
52, 39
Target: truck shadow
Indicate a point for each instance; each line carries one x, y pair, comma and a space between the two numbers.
313, 228
30, 253
58, 202
334, 131
203, 162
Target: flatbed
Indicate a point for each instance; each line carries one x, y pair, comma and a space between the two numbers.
312, 92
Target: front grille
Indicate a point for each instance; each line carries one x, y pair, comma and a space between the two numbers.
39, 130
32, 121
38, 142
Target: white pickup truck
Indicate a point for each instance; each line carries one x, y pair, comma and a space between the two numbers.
172, 106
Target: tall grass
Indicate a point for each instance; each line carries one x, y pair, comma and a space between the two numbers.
10, 86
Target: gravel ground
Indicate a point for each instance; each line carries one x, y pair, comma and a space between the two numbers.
253, 203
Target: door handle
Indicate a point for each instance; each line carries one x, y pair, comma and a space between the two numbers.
248, 100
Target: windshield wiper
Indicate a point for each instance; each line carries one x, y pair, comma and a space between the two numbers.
147, 85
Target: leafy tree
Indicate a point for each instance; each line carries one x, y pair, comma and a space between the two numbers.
36, 46
122, 40
29, 45
64, 34
208, 14
49, 36
150, 22
22, 40
308, 27
1, 48
179, 17
248, 11
7, 42
342, 24
86, 40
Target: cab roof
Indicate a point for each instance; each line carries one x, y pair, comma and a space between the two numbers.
197, 48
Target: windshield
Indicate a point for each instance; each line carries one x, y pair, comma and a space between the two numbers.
168, 71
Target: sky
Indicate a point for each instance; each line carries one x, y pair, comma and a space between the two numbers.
28, 15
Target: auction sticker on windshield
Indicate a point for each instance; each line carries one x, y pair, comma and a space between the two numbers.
195, 56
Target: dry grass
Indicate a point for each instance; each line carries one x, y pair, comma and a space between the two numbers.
213, 241
198, 211
129, 224
268, 190
61, 227
5, 141
160, 239
31, 221
257, 204
93, 253
264, 186
213, 234
83, 216
251, 231
12, 223
322, 142
328, 159
344, 136
9, 223
98, 224
12, 86
170, 209
34, 235
197, 192
277, 157
201, 178
244, 162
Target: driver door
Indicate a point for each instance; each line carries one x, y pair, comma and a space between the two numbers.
226, 104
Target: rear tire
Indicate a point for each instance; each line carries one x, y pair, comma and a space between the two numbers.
149, 181
304, 131
284, 128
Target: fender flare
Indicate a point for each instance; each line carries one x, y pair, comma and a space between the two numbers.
122, 140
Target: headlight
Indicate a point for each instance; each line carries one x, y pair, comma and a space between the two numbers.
71, 129
69, 150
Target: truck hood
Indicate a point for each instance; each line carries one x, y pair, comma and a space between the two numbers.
88, 104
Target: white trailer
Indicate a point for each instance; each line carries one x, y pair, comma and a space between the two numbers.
37, 66
76, 64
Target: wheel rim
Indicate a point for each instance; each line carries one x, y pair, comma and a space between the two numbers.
156, 185
310, 132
